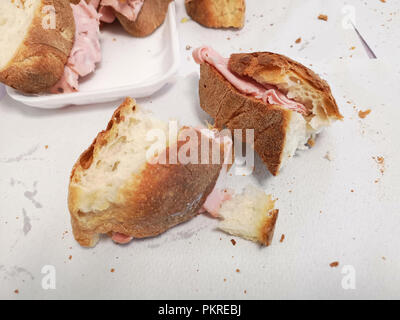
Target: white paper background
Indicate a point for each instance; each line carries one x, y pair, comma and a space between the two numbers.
323, 221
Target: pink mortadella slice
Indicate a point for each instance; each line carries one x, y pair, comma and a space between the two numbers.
128, 8
86, 50
268, 95
121, 238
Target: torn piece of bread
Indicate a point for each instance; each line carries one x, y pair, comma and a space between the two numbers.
33, 53
150, 17
217, 13
115, 189
279, 129
295, 80
250, 215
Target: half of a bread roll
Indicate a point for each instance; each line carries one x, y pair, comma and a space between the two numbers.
279, 130
150, 17
250, 215
114, 189
36, 37
217, 13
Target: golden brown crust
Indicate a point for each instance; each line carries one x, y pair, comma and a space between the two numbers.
40, 60
217, 13
160, 197
150, 17
235, 110
268, 227
272, 67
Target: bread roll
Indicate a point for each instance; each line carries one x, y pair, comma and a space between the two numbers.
33, 53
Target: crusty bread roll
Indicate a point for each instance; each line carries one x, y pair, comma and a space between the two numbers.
217, 13
114, 189
32, 58
150, 17
250, 215
278, 131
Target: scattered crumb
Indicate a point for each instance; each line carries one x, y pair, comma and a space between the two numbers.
228, 38
188, 47
298, 40
364, 114
237, 270
384, 258
16, 291
70, 257
233, 242
112, 270
245, 291
383, 1
352, 190
323, 17
46, 146
327, 156
334, 264
311, 142
224, 279
381, 163
353, 48
282, 238
114, 39
184, 20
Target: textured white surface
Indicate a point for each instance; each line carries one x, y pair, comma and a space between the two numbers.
322, 219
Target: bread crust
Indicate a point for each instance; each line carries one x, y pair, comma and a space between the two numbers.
150, 17
267, 228
40, 60
235, 110
160, 197
272, 67
215, 13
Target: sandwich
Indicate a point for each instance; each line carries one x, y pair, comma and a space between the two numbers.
139, 18
120, 187
284, 102
217, 13
47, 45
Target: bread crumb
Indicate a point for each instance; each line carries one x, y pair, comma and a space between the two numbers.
245, 291
46, 146
282, 238
384, 258
184, 20
112, 270
364, 114
311, 142
237, 270
352, 190
381, 163
334, 264
233, 242
16, 291
224, 279
323, 17
327, 156
188, 47
298, 40
70, 257
353, 48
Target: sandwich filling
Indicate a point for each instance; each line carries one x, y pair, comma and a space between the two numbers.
86, 50
128, 8
268, 94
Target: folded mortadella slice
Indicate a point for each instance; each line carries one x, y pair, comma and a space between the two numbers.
86, 51
269, 95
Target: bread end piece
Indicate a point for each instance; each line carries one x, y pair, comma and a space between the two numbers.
114, 188
293, 79
217, 13
250, 215
40, 60
151, 16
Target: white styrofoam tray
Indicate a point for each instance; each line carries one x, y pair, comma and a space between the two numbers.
130, 66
